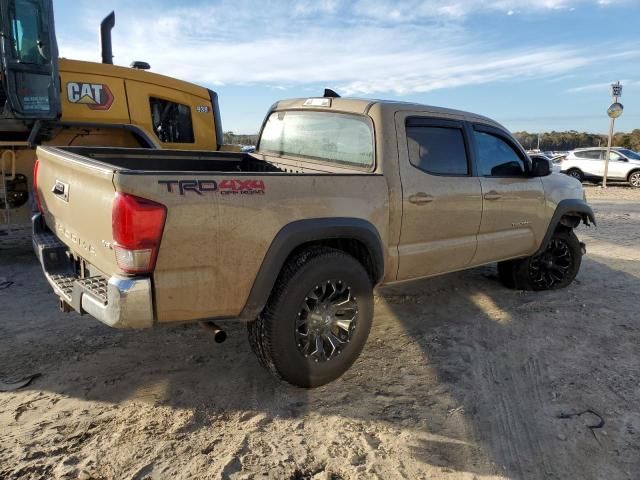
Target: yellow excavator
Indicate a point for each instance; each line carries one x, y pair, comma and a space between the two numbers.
47, 100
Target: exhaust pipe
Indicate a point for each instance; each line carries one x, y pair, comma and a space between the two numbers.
219, 335
105, 38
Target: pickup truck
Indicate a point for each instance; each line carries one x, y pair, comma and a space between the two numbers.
341, 195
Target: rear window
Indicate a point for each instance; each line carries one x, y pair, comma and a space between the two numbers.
590, 154
325, 136
438, 150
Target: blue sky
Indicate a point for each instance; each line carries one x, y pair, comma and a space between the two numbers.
535, 65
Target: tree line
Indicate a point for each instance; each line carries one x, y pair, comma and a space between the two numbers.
574, 139
548, 140
231, 138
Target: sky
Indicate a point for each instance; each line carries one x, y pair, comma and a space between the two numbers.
535, 65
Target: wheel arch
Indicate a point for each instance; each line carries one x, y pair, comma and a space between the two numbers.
569, 213
354, 236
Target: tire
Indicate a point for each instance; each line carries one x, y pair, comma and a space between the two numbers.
634, 179
576, 173
315, 290
555, 267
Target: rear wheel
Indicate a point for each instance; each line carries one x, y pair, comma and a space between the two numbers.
576, 173
317, 319
634, 179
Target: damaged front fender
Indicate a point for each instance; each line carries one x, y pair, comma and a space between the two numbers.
569, 213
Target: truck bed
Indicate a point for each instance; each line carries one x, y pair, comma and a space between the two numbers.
145, 160
223, 212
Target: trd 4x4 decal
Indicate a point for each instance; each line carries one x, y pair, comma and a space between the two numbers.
224, 187
96, 96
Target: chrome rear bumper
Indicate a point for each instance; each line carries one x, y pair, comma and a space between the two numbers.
119, 302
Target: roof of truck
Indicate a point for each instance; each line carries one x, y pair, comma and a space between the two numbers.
364, 106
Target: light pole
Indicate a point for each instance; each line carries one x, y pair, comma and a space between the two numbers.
614, 111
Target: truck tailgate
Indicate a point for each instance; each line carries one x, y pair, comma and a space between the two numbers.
76, 194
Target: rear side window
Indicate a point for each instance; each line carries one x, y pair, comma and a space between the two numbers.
496, 158
438, 150
591, 154
325, 136
171, 121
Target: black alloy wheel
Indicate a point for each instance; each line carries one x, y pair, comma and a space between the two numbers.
326, 321
553, 266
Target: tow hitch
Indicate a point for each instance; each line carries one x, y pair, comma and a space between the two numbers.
65, 307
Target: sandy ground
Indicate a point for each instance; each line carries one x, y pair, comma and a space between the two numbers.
461, 379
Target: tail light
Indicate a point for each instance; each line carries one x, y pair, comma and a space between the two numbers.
36, 197
137, 225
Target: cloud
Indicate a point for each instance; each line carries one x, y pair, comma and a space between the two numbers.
602, 86
356, 47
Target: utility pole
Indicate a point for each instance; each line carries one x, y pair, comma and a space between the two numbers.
614, 111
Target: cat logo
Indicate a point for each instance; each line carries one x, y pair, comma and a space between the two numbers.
96, 96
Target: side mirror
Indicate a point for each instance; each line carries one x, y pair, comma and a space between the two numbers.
541, 167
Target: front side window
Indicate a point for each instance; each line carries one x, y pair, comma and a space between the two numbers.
630, 154
496, 158
171, 121
28, 40
325, 136
438, 150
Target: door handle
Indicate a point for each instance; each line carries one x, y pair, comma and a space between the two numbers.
421, 198
492, 195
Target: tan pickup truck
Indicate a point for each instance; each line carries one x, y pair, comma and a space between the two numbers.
341, 195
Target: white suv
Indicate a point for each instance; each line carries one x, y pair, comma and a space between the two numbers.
583, 163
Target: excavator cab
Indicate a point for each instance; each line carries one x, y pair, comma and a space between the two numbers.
30, 90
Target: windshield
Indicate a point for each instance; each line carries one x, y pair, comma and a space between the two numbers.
28, 39
629, 153
325, 136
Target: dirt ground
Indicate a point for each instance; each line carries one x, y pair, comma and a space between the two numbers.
460, 379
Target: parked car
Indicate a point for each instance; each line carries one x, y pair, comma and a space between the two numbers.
555, 166
589, 163
341, 195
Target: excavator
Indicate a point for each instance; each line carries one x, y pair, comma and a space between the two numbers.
47, 100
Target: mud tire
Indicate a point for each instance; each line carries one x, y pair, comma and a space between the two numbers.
273, 334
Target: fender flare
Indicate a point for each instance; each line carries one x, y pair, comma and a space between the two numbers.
572, 207
298, 233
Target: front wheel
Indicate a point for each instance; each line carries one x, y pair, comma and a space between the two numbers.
317, 319
553, 268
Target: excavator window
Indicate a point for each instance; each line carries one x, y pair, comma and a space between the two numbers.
171, 121
29, 63
28, 38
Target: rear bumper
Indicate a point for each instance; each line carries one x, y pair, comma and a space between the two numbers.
119, 302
